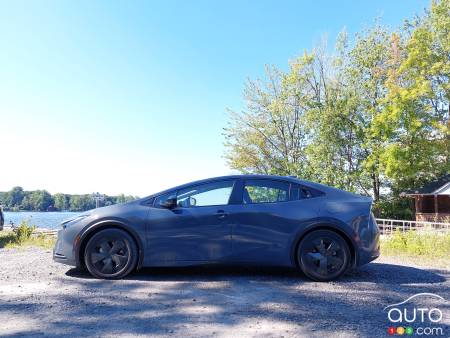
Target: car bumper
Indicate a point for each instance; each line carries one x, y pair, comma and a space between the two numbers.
368, 253
367, 258
366, 237
63, 250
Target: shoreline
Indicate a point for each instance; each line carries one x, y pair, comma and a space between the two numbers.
41, 219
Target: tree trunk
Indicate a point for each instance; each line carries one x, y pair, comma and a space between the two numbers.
376, 187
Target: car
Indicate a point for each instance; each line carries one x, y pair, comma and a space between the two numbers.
261, 220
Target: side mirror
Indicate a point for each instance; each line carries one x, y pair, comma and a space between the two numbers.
192, 201
170, 203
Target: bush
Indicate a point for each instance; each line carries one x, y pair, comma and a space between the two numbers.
394, 208
7, 238
22, 236
23, 232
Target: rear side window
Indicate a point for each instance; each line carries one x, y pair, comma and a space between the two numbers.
265, 191
299, 192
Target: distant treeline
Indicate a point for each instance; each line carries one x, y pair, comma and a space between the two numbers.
18, 199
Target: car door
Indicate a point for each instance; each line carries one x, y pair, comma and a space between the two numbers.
197, 229
266, 221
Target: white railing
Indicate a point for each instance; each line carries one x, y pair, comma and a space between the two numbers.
388, 226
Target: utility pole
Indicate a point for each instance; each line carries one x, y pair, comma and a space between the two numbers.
97, 198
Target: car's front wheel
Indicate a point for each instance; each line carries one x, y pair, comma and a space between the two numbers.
111, 254
323, 255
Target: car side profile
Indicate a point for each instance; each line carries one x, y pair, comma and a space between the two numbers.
240, 219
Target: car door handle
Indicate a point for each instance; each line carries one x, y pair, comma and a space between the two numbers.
221, 214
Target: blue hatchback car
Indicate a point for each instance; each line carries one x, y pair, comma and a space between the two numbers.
241, 219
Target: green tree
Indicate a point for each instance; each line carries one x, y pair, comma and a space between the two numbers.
14, 197
81, 203
75, 203
373, 114
26, 202
366, 73
414, 125
40, 200
334, 125
268, 136
61, 201
312, 121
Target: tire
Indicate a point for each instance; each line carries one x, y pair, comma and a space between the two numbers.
111, 254
323, 255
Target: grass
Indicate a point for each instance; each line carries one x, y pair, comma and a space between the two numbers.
420, 247
8, 240
23, 237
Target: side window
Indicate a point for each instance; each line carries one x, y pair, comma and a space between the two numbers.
265, 191
295, 192
299, 192
163, 198
215, 193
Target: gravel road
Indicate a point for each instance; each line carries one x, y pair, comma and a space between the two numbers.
41, 298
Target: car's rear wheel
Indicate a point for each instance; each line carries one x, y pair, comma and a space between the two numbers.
323, 255
111, 254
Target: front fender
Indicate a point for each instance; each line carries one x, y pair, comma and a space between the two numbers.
87, 232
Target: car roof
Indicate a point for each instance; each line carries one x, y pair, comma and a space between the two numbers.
291, 179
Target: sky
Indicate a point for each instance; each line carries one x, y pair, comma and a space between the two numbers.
132, 96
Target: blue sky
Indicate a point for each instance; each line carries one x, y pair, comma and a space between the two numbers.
131, 96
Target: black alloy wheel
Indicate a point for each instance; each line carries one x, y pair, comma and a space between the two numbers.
323, 255
111, 254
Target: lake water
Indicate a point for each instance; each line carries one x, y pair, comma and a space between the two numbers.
49, 220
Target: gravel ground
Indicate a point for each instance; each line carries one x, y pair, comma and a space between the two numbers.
41, 298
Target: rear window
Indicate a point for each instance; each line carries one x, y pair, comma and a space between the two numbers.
299, 192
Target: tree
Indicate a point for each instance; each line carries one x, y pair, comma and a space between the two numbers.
364, 72
373, 114
61, 201
312, 121
14, 197
268, 137
415, 122
26, 203
334, 127
40, 200
81, 203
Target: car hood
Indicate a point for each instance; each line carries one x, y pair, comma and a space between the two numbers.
111, 210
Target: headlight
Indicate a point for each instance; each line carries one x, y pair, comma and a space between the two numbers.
71, 221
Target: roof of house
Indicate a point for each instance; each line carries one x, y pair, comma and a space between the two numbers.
437, 187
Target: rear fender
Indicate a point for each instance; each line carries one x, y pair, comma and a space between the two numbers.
325, 223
